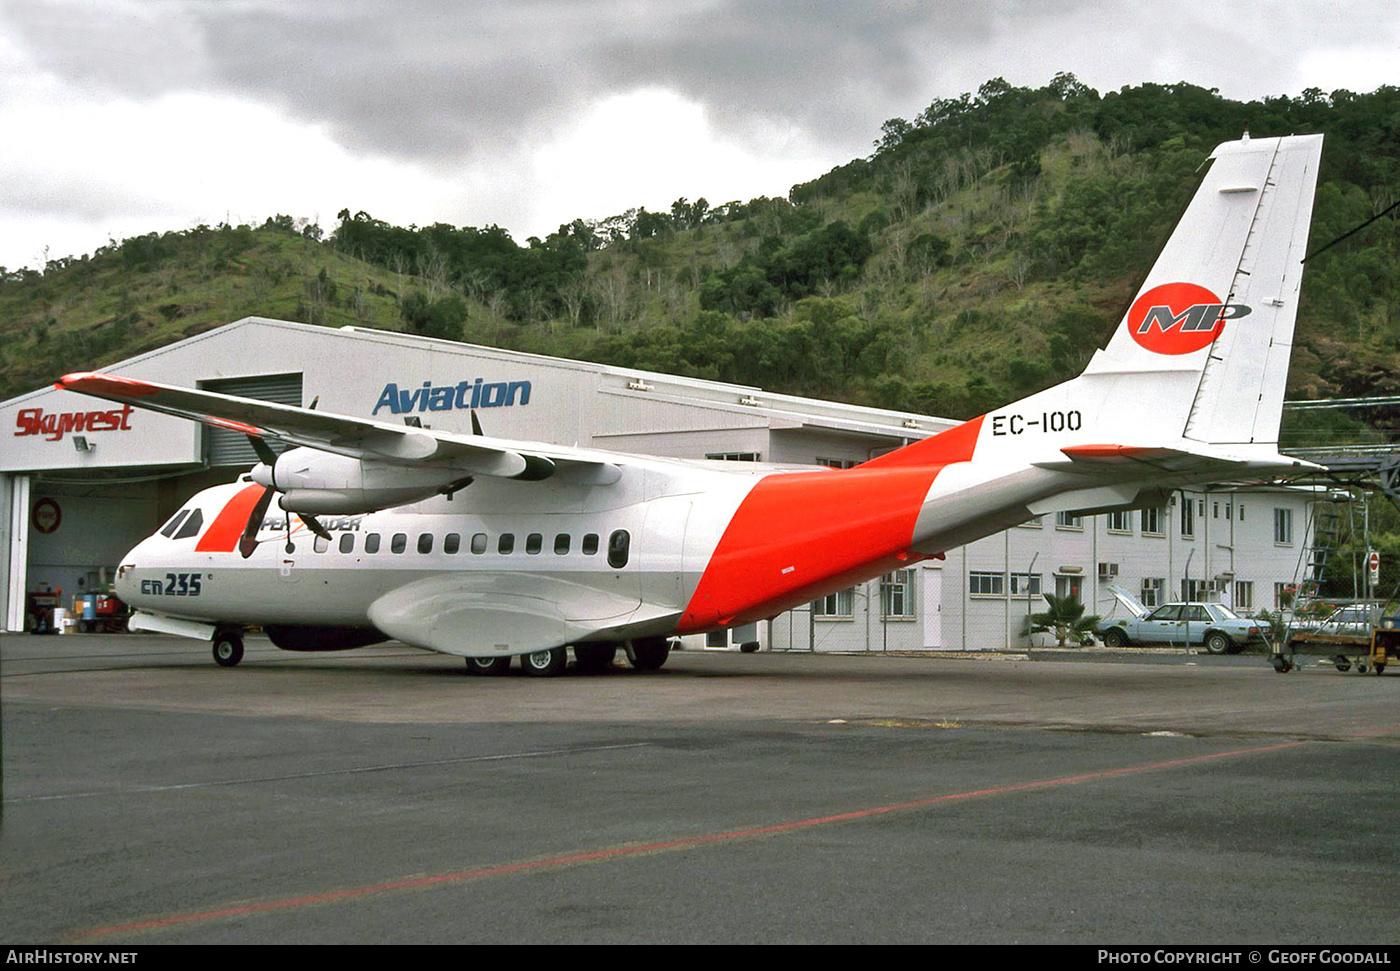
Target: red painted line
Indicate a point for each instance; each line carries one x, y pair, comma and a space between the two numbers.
621, 852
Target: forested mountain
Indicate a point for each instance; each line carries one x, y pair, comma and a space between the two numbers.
982, 251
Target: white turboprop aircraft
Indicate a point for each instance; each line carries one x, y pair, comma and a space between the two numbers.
488, 548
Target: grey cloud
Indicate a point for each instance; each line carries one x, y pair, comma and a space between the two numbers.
442, 82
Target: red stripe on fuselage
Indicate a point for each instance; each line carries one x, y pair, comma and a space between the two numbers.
224, 532
798, 536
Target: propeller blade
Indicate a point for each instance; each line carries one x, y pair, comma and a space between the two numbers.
314, 526
249, 540
264, 451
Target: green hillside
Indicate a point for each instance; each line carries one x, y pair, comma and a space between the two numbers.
980, 253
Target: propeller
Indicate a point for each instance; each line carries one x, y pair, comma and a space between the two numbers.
248, 542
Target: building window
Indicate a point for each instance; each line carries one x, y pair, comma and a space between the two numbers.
984, 583
1025, 584
1197, 590
1120, 522
1068, 520
1244, 595
1188, 518
735, 456
1152, 588
1036, 523
1154, 521
1069, 585
1284, 594
838, 463
1283, 527
897, 594
840, 604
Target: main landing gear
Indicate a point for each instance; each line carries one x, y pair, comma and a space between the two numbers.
644, 654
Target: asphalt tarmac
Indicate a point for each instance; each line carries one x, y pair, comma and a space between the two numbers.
385, 796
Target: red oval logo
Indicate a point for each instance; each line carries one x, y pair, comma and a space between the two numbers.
1179, 318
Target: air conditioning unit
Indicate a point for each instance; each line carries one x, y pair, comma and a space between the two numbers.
1107, 571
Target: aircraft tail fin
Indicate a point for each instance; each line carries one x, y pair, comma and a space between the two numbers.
1212, 325
1197, 365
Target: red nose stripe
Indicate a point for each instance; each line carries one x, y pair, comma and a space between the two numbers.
223, 533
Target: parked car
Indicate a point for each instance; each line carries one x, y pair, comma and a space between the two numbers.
1214, 626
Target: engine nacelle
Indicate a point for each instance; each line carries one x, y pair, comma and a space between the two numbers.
316, 482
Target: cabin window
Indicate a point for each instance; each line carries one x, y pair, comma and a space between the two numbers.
425, 542
534, 543
590, 544
561, 543
399, 543
478, 542
168, 530
320, 544
372, 543
347, 542
451, 543
506, 544
191, 525
619, 544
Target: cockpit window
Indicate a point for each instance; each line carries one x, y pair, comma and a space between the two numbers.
168, 530
191, 525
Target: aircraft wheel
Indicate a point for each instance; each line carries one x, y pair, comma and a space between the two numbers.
228, 649
545, 664
1379, 668
594, 658
1217, 643
750, 647
1282, 664
488, 665
1115, 637
649, 653
1342, 663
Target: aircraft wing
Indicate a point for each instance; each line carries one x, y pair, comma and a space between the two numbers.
343, 435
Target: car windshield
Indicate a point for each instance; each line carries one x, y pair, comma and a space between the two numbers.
1222, 612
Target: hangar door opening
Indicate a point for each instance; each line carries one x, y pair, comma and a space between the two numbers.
225, 447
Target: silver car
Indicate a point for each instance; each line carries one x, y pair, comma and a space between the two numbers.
1214, 626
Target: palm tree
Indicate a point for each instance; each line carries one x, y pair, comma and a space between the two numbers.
1065, 617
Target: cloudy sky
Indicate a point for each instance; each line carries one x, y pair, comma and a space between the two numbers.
127, 116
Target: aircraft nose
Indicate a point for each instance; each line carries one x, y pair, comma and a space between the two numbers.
125, 582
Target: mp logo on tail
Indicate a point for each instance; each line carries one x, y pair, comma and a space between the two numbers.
1179, 318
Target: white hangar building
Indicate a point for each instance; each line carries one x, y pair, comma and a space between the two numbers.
82, 480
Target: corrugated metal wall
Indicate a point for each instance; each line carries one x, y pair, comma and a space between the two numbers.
223, 447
